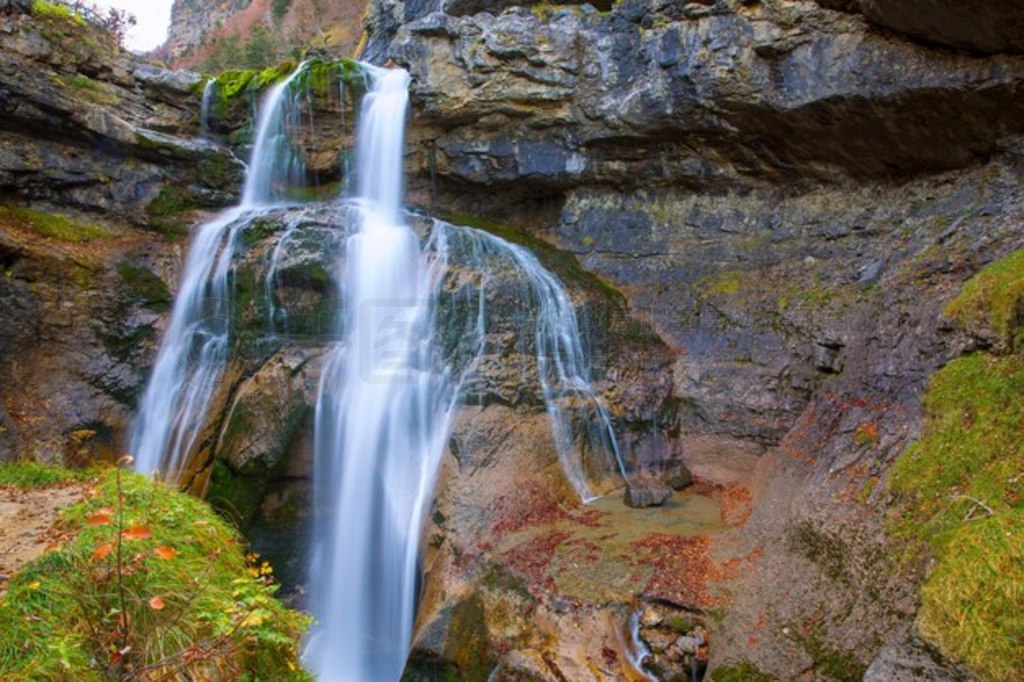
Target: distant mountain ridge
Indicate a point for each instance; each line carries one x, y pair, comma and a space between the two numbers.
220, 34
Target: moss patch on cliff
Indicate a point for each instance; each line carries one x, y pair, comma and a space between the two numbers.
53, 225
192, 604
741, 672
145, 286
995, 298
56, 12
960, 491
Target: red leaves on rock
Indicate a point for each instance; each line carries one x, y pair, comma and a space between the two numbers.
682, 568
530, 560
531, 506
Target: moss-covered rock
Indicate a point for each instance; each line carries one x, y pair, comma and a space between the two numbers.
992, 302
960, 490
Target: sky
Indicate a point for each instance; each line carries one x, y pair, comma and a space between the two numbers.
153, 17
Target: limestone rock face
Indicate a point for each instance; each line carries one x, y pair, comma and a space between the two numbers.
788, 193
988, 27
695, 95
96, 150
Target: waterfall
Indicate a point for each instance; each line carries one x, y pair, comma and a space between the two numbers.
388, 390
206, 108
194, 349
381, 419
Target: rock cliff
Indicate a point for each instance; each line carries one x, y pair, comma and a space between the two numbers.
762, 211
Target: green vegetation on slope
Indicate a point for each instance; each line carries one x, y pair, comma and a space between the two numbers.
53, 225
995, 298
29, 475
155, 588
959, 488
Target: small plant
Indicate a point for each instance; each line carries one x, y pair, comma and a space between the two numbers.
867, 435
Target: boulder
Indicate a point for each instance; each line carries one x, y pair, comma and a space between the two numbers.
646, 491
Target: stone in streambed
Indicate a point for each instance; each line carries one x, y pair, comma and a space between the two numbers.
646, 491
678, 477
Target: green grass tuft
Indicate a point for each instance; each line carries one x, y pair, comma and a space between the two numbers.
959, 489
995, 297
194, 605
29, 475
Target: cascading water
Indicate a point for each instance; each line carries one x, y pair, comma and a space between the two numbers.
387, 395
388, 391
380, 420
206, 108
194, 349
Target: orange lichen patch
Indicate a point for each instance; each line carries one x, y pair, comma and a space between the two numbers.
530, 561
531, 506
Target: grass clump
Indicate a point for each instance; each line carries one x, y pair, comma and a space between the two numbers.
995, 298
31, 475
959, 490
53, 225
151, 584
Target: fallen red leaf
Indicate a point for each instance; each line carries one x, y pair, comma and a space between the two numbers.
102, 551
156, 603
137, 533
164, 552
98, 520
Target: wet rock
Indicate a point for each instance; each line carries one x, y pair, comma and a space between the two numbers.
678, 477
646, 491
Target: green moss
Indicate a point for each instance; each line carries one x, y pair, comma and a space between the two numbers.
56, 12
238, 497
144, 285
741, 672
186, 583
83, 87
995, 297
28, 475
959, 490
720, 284
468, 644
829, 552
834, 664
54, 225
270, 76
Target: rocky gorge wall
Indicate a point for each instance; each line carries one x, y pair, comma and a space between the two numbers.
762, 208
790, 193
